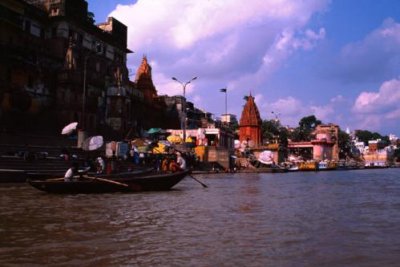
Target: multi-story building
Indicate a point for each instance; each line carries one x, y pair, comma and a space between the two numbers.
58, 67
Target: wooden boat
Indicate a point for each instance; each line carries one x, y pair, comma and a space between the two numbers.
42, 175
327, 165
307, 166
87, 184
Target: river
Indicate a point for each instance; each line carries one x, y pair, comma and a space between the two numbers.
340, 218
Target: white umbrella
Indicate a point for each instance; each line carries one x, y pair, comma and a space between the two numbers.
92, 143
69, 128
266, 157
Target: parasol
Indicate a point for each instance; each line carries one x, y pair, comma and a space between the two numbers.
140, 142
154, 130
175, 139
266, 157
92, 143
189, 139
69, 128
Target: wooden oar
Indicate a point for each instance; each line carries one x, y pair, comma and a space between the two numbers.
106, 180
204, 185
55, 179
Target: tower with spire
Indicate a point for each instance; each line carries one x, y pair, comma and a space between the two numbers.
144, 81
250, 123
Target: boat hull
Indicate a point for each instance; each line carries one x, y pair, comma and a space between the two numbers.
152, 182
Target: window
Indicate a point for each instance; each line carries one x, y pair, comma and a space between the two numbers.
27, 26
98, 67
54, 12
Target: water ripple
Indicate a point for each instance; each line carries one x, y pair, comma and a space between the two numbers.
305, 219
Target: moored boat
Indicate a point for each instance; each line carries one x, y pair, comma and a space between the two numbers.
307, 166
327, 165
87, 184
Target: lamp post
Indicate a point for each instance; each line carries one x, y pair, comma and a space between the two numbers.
84, 90
184, 104
225, 90
276, 116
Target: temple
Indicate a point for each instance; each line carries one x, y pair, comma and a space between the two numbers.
144, 81
250, 124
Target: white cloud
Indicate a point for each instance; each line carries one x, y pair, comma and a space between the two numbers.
378, 110
220, 40
375, 58
386, 100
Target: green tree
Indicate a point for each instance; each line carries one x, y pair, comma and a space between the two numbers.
270, 130
90, 17
365, 136
344, 142
397, 154
306, 126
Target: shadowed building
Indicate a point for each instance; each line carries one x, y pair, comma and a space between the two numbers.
250, 124
58, 66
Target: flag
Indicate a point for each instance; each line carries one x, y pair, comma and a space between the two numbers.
223, 90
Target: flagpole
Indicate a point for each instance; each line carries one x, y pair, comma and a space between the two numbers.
225, 90
226, 104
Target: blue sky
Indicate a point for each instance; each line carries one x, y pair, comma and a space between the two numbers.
338, 60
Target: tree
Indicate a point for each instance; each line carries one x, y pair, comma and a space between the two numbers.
365, 136
273, 132
90, 17
306, 126
397, 154
344, 143
270, 130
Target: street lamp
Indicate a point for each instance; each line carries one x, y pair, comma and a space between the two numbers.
84, 90
276, 116
184, 104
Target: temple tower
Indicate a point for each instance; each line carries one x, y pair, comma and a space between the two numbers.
144, 81
250, 123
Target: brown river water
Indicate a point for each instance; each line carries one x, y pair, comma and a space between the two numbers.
341, 218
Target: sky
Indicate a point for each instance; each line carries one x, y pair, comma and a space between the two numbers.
336, 59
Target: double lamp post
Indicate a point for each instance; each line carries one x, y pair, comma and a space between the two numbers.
183, 122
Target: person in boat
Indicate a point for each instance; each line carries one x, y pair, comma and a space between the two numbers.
165, 164
173, 165
180, 161
70, 173
100, 165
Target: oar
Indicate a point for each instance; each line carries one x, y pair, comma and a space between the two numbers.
204, 185
55, 179
107, 181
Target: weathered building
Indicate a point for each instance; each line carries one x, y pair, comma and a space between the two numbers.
58, 67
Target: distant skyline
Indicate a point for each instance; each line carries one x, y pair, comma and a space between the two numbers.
338, 60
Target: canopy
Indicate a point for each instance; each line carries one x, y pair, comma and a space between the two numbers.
164, 142
92, 143
189, 139
69, 128
266, 157
154, 130
175, 139
160, 148
140, 142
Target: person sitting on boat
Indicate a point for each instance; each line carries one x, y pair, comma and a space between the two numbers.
100, 165
173, 166
180, 161
164, 164
70, 173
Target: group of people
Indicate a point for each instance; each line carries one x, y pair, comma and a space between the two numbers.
173, 165
170, 163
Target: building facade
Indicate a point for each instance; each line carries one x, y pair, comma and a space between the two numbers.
59, 67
